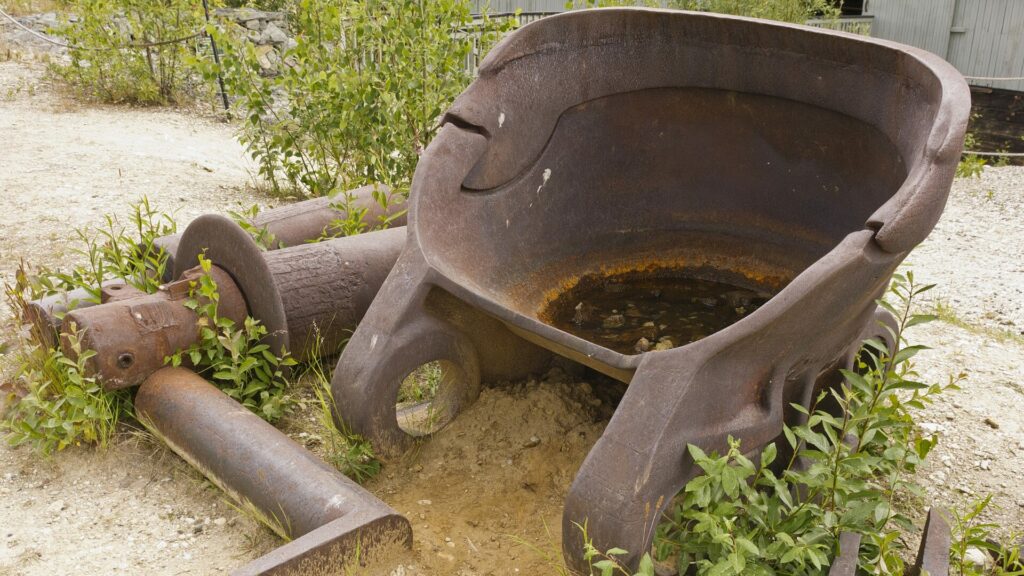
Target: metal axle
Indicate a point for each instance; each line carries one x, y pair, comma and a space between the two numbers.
309, 297
328, 517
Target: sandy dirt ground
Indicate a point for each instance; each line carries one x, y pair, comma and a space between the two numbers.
484, 495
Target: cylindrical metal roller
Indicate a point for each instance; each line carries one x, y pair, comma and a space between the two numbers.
289, 225
329, 517
296, 292
300, 222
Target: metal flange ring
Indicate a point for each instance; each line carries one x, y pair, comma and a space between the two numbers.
231, 248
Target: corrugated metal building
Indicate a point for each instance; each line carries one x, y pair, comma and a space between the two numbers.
982, 38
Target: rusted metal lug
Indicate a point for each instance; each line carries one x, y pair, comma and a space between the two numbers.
932, 555
302, 292
298, 223
133, 335
328, 518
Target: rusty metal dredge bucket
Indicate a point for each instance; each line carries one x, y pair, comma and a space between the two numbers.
799, 162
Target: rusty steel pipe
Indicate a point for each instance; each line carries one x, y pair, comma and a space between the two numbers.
300, 222
328, 516
301, 294
289, 225
132, 336
46, 315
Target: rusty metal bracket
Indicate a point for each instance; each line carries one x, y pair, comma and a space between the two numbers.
932, 554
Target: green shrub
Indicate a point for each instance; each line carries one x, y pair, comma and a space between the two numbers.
849, 466
114, 251
971, 165
102, 68
233, 357
61, 406
969, 532
358, 97
351, 454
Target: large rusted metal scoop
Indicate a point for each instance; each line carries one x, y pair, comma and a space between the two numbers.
618, 147
301, 294
329, 520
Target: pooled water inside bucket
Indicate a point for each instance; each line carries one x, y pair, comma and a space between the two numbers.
636, 313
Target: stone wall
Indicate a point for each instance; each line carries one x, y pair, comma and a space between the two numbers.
267, 30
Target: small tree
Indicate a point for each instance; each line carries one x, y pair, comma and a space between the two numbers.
130, 50
359, 94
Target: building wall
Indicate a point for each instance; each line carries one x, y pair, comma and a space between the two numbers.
982, 38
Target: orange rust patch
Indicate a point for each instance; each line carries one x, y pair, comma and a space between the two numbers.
772, 280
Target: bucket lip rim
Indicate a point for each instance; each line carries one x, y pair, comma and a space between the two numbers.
904, 219
500, 54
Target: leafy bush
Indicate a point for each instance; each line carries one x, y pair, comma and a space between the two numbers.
849, 465
58, 403
115, 251
358, 96
971, 165
103, 68
351, 454
272, 5
61, 406
233, 357
969, 532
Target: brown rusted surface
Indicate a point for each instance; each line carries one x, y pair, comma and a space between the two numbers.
845, 562
613, 139
46, 315
329, 519
134, 334
932, 555
299, 292
300, 222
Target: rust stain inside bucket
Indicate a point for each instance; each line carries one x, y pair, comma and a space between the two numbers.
637, 312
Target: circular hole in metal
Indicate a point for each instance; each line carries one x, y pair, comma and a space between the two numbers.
428, 397
125, 360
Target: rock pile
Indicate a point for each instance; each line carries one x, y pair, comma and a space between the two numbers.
21, 40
